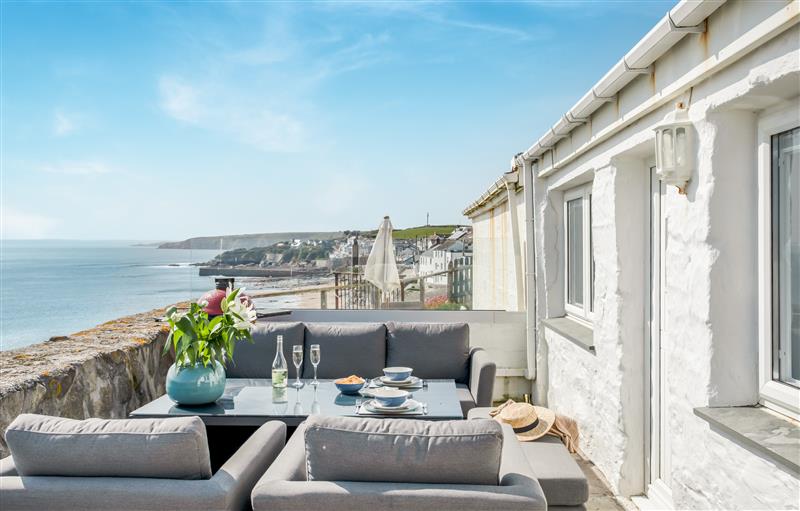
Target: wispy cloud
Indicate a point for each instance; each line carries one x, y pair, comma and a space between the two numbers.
501, 30
77, 168
180, 100
16, 224
367, 51
231, 111
446, 14
63, 123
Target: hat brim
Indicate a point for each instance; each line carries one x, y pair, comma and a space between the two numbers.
546, 418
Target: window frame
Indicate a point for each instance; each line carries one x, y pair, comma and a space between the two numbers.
773, 393
584, 313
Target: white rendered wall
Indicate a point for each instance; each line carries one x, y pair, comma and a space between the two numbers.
603, 390
710, 300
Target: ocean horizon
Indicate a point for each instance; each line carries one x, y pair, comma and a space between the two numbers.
58, 287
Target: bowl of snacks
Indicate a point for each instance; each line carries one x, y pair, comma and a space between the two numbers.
350, 385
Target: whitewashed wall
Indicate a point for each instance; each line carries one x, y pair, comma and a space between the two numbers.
710, 299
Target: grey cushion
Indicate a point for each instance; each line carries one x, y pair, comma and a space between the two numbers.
285, 486
402, 451
346, 348
175, 448
228, 490
255, 360
561, 478
465, 398
434, 350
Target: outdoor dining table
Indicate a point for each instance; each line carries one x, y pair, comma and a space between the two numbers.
252, 402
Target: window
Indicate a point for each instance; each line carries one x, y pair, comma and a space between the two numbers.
579, 275
779, 260
786, 256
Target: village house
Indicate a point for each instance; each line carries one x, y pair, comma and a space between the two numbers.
652, 237
456, 249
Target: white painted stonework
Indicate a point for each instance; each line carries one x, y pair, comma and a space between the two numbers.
708, 300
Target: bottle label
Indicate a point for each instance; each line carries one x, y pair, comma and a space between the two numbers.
279, 377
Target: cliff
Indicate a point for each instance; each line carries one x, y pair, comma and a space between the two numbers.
248, 240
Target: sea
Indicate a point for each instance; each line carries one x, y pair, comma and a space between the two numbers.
52, 288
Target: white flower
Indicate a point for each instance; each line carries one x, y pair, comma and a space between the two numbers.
202, 303
246, 312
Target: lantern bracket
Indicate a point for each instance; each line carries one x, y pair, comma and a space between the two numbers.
697, 29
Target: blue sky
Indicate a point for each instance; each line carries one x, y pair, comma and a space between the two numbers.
169, 120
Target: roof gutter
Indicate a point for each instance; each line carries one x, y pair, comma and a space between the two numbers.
688, 16
494, 190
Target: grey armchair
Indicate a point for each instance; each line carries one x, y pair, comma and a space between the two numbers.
285, 486
228, 489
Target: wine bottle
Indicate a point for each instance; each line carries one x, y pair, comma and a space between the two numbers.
280, 369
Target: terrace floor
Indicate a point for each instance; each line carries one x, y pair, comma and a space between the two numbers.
601, 498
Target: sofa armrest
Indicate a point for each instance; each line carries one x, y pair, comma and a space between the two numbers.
290, 465
239, 474
515, 471
481, 376
7, 467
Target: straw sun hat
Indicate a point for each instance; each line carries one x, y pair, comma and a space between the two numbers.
528, 421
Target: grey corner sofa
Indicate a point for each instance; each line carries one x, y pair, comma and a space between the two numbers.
434, 350
563, 482
139, 464
362, 463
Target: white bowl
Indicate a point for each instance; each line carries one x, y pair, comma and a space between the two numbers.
397, 373
390, 396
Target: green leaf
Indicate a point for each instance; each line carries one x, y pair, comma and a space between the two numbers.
167, 345
215, 323
186, 324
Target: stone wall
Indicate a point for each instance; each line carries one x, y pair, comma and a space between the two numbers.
106, 371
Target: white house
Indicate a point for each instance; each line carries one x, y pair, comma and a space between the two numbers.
661, 283
438, 258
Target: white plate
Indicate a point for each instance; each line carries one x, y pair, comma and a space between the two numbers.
410, 381
408, 406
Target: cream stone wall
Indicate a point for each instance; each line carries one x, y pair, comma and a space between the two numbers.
495, 278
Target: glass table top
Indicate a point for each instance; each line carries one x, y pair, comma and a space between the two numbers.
251, 402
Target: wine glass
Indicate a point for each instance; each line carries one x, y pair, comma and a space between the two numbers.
315, 408
315, 357
297, 360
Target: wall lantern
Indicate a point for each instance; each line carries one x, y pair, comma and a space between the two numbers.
675, 148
